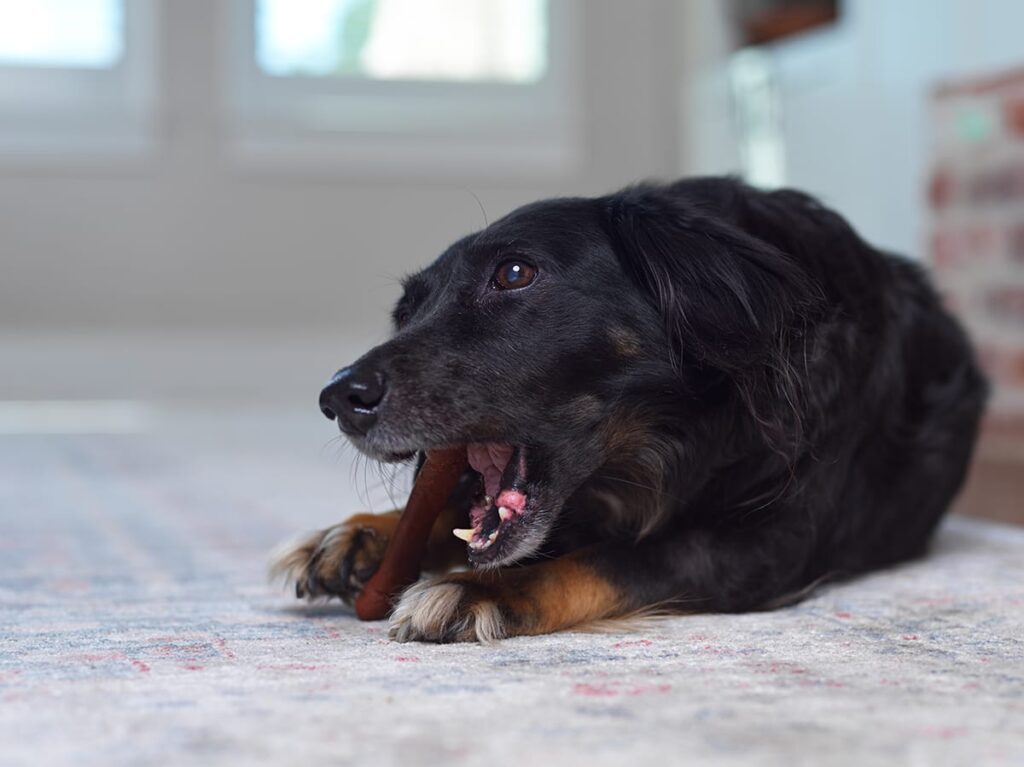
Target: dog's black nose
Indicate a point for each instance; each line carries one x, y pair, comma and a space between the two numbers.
352, 397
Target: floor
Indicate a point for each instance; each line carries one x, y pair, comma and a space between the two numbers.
138, 628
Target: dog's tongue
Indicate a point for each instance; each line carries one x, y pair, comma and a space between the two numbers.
489, 460
503, 469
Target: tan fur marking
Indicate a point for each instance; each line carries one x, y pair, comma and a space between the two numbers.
625, 432
635, 473
548, 596
338, 540
624, 341
487, 605
564, 593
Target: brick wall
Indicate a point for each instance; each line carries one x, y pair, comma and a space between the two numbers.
976, 249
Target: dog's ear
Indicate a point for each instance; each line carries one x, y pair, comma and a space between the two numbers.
726, 296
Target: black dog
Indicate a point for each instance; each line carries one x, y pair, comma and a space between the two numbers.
694, 397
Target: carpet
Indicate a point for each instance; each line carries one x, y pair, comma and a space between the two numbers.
137, 628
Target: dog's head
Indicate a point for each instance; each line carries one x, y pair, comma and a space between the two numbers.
570, 336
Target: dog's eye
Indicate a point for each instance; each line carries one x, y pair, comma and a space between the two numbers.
512, 275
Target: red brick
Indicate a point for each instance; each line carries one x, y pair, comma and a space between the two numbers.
1013, 117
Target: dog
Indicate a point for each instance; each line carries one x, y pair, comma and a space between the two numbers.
682, 397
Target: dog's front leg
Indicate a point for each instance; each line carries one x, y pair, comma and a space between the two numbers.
688, 571
484, 605
338, 561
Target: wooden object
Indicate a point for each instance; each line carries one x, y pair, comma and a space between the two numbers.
437, 480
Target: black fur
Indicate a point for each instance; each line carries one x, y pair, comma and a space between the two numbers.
725, 394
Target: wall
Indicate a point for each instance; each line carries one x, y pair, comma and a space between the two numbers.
186, 240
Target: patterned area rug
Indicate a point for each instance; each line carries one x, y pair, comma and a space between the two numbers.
136, 627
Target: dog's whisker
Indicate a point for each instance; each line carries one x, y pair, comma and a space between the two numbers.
387, 474
365, 488
396, 473
358, 467
337, 446
333, 442
479, 202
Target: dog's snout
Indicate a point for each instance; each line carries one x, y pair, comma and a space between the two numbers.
352, 398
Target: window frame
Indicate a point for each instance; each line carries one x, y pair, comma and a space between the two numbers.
67, 113
345, 124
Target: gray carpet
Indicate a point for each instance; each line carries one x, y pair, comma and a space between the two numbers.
137, 628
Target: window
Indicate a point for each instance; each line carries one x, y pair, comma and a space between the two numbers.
477, 85
87, 34
75, 77
443, 40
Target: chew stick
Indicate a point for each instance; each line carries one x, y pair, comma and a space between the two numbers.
400, 566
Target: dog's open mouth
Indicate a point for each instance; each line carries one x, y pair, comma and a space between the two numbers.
498, 510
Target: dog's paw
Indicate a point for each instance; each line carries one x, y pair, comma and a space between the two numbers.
338, 561
448, 609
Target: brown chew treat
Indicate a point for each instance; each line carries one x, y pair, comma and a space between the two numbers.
400, 567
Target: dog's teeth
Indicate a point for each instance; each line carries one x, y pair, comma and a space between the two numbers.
491, 537
465, 534
505, 513
488, 501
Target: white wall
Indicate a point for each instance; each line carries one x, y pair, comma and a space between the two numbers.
854, 101
186, 240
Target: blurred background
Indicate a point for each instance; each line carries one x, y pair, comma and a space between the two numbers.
205, 205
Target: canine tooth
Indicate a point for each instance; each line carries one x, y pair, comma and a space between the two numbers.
492, 536
505, 513
465, 534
